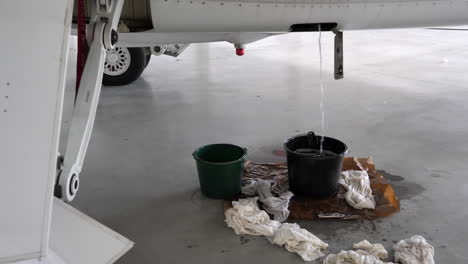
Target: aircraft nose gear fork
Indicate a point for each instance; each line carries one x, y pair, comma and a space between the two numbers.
102, 35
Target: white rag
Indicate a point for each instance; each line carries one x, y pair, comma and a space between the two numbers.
376, 249
298, 240
353, 257
246, 218
359, 193
277, 206
414, 250
250, 187
366, 253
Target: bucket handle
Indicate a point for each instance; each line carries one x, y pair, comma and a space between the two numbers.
311, 137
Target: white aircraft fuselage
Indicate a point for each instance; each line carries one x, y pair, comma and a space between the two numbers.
245, 21
280, 15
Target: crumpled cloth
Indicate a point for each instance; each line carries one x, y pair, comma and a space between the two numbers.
414, 250
276, 206
298, 240
359, 193
353, 257
376, 249
250, 187
366, 253
246, 218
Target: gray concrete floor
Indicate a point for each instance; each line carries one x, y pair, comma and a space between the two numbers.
403, 102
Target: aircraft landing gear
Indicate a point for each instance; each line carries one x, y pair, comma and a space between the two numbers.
124, 65
102, 36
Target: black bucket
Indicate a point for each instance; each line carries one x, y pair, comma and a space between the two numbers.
310, 173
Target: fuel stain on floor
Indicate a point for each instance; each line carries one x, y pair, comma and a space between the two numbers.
405, 190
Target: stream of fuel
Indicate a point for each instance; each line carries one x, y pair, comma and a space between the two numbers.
311, 150
322, 92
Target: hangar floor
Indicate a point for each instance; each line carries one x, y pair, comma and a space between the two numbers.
403, 101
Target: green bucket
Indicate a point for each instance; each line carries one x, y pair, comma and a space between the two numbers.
220, 168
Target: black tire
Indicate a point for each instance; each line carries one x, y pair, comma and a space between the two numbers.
138, 62
148, 56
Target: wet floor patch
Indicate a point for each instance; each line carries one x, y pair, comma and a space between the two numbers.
391, 177
244, 240
268, 154
339, 231
279, 153
197, 197
438, 172
405, 190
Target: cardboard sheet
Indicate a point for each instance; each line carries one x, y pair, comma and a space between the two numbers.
334, 207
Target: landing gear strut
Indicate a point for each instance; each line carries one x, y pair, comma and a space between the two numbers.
102, 35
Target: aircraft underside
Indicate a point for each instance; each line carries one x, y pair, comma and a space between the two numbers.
279, 16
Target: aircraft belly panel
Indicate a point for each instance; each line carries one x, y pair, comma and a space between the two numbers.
278, 16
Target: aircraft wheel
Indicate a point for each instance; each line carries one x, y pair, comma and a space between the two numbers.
123, 65
148, 57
